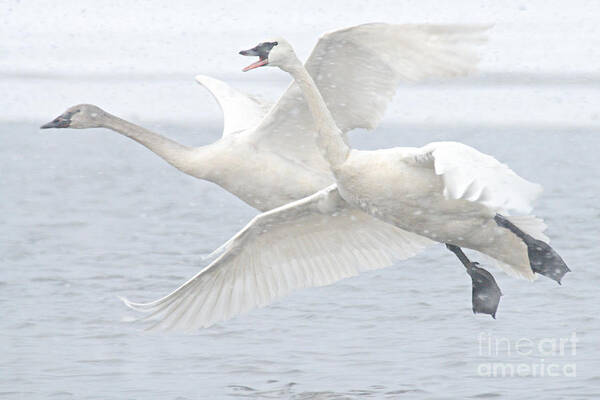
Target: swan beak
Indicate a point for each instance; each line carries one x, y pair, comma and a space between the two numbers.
257, 64
250, 52
49, 125
58, 122
261, 51
255, 52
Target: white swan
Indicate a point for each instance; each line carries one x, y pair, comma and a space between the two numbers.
448, 192
269, 160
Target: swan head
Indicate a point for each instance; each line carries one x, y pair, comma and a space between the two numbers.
273, 53
81, 116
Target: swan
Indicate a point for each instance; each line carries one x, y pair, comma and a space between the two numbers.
443, 192
266, 155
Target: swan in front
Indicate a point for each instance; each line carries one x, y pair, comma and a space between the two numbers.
443, 192
446, 191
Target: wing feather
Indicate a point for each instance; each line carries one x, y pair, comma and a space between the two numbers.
240, 111
357, 71
471, 175
311, 242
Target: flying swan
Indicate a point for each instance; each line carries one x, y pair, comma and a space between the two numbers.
445, 192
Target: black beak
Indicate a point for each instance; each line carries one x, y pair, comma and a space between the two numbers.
62, 121
253, 52
51, 124
261, 51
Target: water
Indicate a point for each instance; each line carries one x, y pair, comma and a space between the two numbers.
89, 215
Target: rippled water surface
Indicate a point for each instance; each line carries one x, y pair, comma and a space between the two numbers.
88, 216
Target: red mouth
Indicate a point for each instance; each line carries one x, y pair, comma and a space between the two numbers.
257, 64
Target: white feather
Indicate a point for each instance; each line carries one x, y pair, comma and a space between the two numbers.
310, 242
357, 71
240, 111
474, 176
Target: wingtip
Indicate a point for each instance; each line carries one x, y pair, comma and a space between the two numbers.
201, 79
126, 302
132, 305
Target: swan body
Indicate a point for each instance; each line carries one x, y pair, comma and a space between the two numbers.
401, 186
261, 178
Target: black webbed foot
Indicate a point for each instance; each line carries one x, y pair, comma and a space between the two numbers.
543, 259
485, 296
486, 293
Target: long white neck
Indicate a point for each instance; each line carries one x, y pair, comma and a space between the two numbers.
172, 152
329, 137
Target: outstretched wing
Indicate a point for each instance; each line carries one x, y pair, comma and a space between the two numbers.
240, 111
471, 175
314, 241
357, 71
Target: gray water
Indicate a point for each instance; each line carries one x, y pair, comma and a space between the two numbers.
88, 215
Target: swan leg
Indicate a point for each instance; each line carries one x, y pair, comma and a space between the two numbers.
486, 293
543, 259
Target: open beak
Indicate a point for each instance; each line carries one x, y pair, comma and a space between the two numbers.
259, 51
257, 64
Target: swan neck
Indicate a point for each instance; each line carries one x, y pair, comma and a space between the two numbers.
330, 139
172, 152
